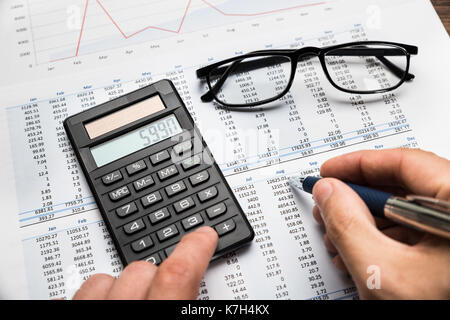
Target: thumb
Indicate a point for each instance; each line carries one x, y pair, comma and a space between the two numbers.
350, 227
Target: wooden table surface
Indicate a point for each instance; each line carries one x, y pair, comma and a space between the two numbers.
443, 9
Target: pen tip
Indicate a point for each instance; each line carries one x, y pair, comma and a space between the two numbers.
297, 182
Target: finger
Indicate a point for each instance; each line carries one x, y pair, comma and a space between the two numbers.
329, 245
412, 169
179, 276
350, 227
96, 287
317, 216
339, 263
134, 282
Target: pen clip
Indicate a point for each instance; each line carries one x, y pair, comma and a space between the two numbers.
432, 203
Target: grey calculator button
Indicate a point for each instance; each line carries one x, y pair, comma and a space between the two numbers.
184, 204
112, 177
134, 226
151, 198
199, 178
167, 172
207, 194
167, 233
225, 227
159, 157
191, 162
170, 249
119, 193
175, 188
143, 183
216, 210
126, 209
154, 258
136, 167
159, 216
192, 221
142, 244
182, 147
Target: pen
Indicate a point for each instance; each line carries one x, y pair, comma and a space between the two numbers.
422, 213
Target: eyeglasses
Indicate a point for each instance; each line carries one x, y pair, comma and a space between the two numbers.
260, 77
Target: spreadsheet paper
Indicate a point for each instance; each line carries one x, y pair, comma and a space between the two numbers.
63, 57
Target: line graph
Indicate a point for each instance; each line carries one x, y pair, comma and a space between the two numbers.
179, 22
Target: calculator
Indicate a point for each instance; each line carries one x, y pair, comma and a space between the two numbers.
153, 176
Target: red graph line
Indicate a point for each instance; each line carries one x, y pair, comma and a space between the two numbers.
177, 30
82, 27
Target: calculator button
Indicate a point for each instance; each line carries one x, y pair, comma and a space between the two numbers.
143, 183
134, 226
170, 249
184, 204
191, 162
199, 178
207, 194
159, 216
154, 258
151, 198
119, 193
136, 167
175, 188
126, 210
216, 210
225, 227
112, 177
168, 172
167, 233
182, 147
159, 157
142, 244
192, 221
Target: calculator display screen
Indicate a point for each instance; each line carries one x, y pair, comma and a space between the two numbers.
135, 140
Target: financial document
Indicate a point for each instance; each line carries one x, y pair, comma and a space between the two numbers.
60, 57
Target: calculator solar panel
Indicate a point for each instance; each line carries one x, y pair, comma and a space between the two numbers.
152, 174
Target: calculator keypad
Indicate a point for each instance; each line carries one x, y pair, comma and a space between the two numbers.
169, 193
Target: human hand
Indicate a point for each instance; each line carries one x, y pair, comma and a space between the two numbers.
411, 264
178, 277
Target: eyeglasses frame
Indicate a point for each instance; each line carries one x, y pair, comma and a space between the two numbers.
294, 56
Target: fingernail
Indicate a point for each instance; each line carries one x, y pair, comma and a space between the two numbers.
204, 229
322, 191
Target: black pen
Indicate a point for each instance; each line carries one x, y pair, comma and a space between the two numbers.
422, 213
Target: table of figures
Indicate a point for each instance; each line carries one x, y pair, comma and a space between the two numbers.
65, 240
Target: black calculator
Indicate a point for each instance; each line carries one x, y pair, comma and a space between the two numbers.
152, 175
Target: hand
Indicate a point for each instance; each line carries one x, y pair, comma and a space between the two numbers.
411, 264
178, 277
